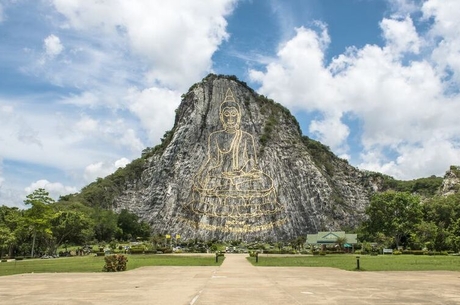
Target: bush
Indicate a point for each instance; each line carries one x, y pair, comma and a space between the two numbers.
4, 260
136, 251
397, 252
100, 253
19, 258
165, 250
413, 252
115, 262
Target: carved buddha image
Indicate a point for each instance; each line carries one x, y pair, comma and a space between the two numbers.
230, 183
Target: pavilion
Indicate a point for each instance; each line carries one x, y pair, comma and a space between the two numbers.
324, 239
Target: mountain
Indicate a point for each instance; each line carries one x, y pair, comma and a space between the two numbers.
235, 166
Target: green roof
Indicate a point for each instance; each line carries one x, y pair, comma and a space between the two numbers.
331, 237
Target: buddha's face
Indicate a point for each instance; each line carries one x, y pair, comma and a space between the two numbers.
230, 118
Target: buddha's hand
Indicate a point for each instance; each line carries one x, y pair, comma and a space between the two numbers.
255, 173
233, 174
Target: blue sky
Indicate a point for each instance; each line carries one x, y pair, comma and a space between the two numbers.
85, 86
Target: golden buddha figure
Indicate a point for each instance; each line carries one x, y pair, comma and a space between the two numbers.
230, 183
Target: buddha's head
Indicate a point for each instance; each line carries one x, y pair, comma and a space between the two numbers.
230, 114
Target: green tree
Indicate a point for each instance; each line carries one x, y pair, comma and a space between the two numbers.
425, 233
395, 214
129, 225
38, 217
340, 242
105, 225
71, 226
10, 219
454, 238
443, 212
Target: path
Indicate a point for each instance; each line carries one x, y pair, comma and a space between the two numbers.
238, 282
235, 282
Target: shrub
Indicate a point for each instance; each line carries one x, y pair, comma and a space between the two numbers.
165, 250
136, 251
4, 260
397, 252
413, 252
19, 258
100, 253
115, 262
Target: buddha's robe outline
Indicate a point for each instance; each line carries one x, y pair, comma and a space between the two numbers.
230, 184
232, 170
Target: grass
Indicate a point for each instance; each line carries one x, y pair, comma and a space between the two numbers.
367, 263
95, 263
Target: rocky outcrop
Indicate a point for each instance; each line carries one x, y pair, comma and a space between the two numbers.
451, 182
247, 174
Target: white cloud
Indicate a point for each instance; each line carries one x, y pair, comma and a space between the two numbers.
445, 36
53, 46
331, 131
12, 197
102, 169
402, 101
176, 38
87, 125
155, 109
402, 8
121, 162
429, 158
401, 36
55, 189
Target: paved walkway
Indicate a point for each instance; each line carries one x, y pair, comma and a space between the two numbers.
236, 282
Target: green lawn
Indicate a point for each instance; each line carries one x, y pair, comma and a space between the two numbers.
95, 264
366, 262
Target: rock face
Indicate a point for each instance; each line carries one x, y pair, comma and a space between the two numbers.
236, 167
451, 182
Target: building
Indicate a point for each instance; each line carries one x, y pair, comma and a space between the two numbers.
324, 239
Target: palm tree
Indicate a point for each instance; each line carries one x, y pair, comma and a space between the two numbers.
340, 242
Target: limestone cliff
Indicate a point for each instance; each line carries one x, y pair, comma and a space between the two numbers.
451, 182
244, 174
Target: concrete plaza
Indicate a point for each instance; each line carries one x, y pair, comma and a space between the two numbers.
236, 281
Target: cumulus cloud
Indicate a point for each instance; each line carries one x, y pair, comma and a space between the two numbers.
176, 38
402, 8
155, 109
400, 35
400, 95
52, 45
55, 189
445, 36
114, 131
102, 169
